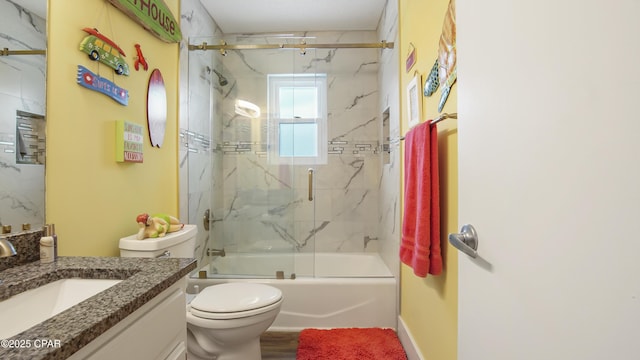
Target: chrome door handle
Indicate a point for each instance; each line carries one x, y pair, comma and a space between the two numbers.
466, 241
310, 172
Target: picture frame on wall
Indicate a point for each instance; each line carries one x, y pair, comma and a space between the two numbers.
414, 101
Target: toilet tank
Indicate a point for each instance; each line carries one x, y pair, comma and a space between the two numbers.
179, 243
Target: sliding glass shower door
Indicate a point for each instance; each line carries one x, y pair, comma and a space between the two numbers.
267, 130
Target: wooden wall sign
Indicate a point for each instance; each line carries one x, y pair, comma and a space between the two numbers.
153, 15
101, 48
129, 142
94, 82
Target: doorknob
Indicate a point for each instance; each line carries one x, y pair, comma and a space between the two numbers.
466, 241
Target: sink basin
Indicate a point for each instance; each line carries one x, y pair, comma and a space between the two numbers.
24, 310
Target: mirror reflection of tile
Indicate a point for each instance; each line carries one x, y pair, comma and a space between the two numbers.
22, 122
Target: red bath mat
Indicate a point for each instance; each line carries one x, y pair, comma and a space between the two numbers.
349, 344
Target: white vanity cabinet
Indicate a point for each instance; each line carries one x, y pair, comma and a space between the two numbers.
157, 330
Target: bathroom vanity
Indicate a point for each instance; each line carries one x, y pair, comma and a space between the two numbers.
140, 317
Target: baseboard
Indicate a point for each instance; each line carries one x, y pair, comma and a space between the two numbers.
407, 341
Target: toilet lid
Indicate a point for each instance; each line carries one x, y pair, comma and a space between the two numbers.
235, 297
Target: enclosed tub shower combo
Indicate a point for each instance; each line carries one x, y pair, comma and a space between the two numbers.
283, 158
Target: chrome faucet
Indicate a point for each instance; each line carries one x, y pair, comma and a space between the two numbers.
367, 239
6, 248
216, 252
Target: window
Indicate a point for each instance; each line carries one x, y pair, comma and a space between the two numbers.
297, 119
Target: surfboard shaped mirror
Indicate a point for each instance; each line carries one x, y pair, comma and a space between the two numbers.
156, 108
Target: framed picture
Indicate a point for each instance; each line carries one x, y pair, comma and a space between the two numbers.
414, 101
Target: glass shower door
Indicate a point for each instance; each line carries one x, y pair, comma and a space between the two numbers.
265, 189
199, 153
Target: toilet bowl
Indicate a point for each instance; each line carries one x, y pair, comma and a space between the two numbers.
224, 322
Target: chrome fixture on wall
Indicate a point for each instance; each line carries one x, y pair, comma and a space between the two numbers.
368, 238
6, 248
221, 79
216, 252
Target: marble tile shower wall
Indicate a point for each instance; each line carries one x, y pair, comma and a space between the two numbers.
22, 88
265, 205
357, 195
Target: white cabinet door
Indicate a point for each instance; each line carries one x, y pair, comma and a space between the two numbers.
157, 330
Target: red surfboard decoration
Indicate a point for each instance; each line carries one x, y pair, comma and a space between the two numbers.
156, 108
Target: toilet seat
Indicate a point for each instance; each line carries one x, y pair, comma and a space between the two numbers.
235, 300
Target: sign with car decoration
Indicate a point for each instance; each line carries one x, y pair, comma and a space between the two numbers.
100, 48
94, 82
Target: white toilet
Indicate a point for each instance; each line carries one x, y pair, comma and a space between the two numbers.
224, 322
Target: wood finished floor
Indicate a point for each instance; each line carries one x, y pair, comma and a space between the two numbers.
279, 345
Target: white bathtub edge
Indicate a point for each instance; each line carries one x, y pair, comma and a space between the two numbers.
406, 339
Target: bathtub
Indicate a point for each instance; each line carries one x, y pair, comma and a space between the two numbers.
329, 290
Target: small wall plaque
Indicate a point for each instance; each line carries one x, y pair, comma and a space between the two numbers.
414, 101
129, 143
411, 57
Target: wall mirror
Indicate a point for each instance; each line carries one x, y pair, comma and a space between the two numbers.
23, 42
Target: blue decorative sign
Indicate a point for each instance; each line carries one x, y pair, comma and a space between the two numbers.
94, 82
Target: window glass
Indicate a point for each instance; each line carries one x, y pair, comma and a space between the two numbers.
299, 139
297, 118
298, 102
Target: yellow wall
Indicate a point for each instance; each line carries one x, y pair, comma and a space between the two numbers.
92, 199
429, 306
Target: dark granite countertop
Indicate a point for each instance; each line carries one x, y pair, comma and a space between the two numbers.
143, 279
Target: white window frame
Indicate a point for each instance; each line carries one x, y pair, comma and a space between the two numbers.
275, 82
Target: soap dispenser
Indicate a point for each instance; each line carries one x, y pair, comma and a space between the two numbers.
46, 246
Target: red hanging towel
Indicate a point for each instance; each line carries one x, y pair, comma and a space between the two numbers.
420, 245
